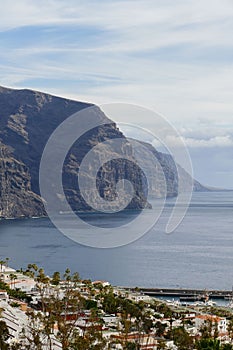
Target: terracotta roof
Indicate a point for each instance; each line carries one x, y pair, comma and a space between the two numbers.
212, 318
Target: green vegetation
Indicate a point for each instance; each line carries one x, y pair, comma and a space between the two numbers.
15, 293
212, 344
63, 300
4, 335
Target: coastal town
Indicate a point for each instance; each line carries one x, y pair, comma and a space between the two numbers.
65, 312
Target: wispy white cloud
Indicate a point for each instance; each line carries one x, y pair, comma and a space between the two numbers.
199, 143
173, 57
217, 141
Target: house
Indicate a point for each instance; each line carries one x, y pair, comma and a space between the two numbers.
146, 341
221, 322
14, 318
3, 295
110, 320
103, 283
136, 297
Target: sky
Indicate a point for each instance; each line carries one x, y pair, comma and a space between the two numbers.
174, 57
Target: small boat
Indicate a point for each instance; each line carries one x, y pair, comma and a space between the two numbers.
210, 303
194, 298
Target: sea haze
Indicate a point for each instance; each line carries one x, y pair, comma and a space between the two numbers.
199, 254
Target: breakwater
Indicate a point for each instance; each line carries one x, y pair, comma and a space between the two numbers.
181, 292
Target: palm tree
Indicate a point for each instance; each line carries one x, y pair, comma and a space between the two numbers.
13, 277
56, 278
31, 270
7, 260
2, 263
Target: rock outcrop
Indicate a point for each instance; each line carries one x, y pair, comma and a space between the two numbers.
27, 119
17, 198
166, 168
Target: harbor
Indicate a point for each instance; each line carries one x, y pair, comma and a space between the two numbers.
190, 296
188, 293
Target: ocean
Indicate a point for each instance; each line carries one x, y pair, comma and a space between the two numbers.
199, 254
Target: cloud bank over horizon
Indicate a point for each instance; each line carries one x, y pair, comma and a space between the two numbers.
173, 58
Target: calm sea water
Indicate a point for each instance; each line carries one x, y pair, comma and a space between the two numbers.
199, 254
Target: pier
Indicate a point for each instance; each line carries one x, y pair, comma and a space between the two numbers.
180, 292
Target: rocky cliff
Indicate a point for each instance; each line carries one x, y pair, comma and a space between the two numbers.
165, 165
27, 119
17, 198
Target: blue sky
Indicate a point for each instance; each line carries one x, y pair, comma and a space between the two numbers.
175, 57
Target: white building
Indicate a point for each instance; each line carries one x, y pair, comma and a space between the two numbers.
221, 322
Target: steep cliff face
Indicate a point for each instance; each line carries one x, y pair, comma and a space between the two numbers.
165, 166
16, 196
27, 119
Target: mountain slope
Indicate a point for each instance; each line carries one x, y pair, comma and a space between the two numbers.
16, 196
169, 169
27, 119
